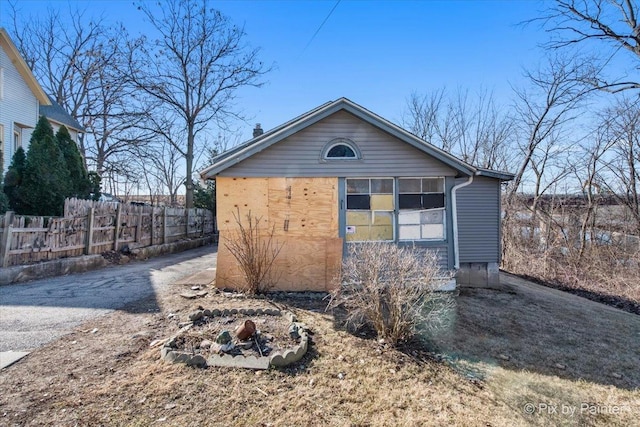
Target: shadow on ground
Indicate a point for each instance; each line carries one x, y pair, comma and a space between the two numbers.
523, 326
113, 287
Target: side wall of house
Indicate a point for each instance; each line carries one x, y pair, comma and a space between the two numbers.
302, 212
479, 230
18, 108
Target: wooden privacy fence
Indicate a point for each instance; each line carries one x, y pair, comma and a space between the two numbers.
90, 227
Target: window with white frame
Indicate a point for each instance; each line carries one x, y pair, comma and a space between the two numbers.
372, 213
370, 209
421, 210
340, 149
17, 139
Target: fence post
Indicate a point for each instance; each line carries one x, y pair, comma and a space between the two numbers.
89, 236
5, 244
153, 225
117, 229
186, 227
164, 226
139, 226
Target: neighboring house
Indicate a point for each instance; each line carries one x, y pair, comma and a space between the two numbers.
22, 101
58, 116
340, 174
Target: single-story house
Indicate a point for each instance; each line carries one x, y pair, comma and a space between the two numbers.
340, 174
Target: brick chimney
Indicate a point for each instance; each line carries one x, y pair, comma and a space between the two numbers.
257, 131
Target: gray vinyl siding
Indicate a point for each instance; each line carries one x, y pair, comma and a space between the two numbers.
479, 221
300, 155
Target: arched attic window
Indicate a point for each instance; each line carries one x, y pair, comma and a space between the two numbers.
341, 149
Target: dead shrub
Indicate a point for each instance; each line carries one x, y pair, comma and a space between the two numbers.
390, 289
254, 248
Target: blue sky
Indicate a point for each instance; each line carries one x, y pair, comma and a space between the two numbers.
375, 53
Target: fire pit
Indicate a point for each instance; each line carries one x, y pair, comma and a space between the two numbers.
239, 338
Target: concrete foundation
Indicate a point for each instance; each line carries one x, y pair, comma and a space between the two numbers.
478, 274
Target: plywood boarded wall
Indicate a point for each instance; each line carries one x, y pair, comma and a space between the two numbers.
304, 214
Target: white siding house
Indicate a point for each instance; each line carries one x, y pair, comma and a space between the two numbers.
20, 99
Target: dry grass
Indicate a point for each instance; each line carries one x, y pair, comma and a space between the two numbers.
111, 378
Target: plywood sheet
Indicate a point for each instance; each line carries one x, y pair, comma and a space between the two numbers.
333, 265
228, 275
245, 194
304, 206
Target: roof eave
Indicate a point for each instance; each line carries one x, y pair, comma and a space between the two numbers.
18, 61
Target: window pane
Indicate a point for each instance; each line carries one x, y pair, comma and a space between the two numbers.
432, 185
382, 218
359, 202
431, 217
409, 232
409, 185
410, 201
432, 231
382, 202
409, 217
382, 186
341, 151
431, 201
359, 218
357, 186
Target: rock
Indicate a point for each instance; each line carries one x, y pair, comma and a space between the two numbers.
226, 348
206, 312
504, 357
294, 332
201, 293
224, 337
124, 259
195, 288
188, 295
169, 406
196, 315
311, 382
205, 344
197, 360
341, 375
215, 348
616, 375
560, 366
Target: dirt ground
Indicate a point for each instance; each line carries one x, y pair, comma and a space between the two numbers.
504, 349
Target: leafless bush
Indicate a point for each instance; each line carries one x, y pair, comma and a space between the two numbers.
254, 248
597, 261
389, 287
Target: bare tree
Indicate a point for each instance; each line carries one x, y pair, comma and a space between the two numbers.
80, 65
543, 110
473, 129
605, 22
622, 124
193, 69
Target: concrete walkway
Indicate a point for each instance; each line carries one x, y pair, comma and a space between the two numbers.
35, 313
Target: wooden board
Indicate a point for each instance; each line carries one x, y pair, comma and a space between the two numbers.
303, 264
245, 194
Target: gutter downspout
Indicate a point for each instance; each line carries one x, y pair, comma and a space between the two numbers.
454, 213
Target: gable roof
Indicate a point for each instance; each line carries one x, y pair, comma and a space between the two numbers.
243, 151
18, 61
56, 113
